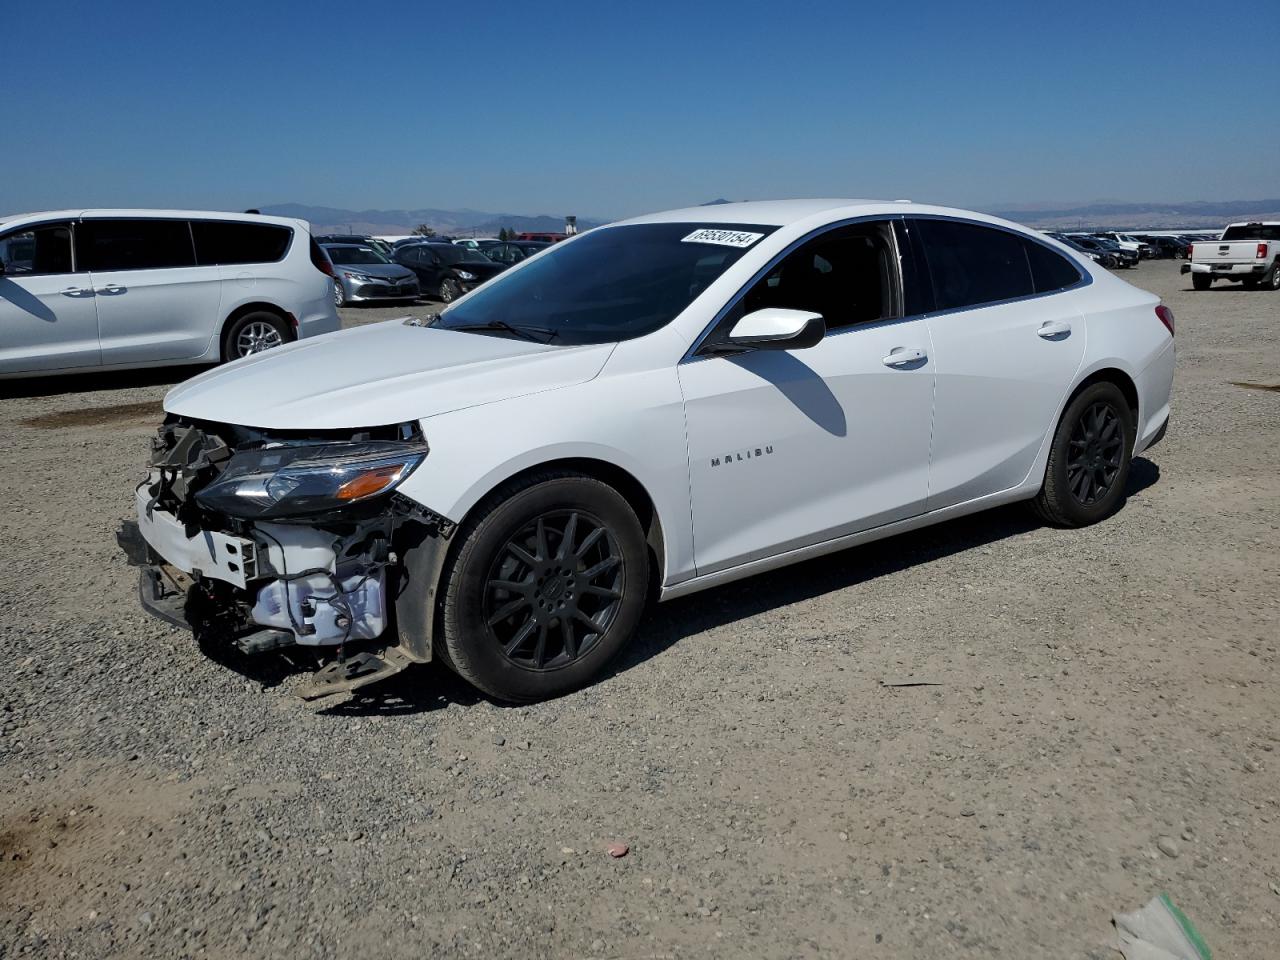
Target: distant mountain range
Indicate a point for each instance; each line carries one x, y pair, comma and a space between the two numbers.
1103, 214
458, 223
1117, 215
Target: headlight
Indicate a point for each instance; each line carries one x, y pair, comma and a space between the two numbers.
287, 480
362, 277
463, 275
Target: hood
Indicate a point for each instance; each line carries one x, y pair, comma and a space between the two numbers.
379, 374
391, 271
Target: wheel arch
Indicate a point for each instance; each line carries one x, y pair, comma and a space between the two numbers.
1113, 374
619, 478
253, 306
427, 560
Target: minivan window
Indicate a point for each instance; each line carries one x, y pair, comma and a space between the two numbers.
106, 245
220, 242
971, 264
611, 284
45, 249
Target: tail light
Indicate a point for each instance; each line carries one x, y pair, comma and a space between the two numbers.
1166, 317
1262, 251
321, 260
1191, 248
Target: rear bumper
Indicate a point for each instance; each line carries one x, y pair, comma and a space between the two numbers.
1226, 269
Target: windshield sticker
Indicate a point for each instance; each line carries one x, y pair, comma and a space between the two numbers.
723, 238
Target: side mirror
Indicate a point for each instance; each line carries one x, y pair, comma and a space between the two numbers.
777, 328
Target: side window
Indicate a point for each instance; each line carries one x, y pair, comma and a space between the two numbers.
1049, 270
848, 275
105, 245
45, 249
971, 264
219, 242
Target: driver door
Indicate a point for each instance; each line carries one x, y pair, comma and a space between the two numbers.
48, 313
792, 448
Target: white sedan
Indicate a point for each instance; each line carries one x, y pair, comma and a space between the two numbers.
648, 409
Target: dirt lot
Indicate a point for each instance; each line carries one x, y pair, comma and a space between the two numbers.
1099, 694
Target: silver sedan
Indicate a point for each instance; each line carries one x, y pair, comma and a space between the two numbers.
362, 274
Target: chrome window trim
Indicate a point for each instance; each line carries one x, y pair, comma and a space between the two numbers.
1086, 277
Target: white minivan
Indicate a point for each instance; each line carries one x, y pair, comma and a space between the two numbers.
84, 290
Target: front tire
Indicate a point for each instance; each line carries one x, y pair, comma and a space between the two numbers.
448, 291
546, 588
1088, 466
1201, 281
254, 333
339, 294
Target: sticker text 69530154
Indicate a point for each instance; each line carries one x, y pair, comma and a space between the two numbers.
723, 238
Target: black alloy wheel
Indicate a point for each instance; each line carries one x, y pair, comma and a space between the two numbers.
554, 589
545, 584
1096, 452
1088, 467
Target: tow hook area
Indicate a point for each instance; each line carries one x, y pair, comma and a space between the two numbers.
358, 670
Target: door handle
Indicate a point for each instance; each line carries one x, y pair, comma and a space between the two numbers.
904, 356
76, 292
111, 288
1052, 329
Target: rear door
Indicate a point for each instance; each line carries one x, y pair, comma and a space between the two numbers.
154, 303
48, 320
1007, 342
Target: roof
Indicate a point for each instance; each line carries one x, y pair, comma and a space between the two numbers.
129, 213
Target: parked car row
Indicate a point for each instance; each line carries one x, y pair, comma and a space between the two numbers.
369, 269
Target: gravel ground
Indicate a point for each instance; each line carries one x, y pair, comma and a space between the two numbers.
1103, 727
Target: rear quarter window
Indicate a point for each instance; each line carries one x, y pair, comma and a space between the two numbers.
1050, 270
224, 242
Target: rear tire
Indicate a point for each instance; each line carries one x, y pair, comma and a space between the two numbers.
1088, 466
1201, 281
254, 333
1272, 280
524, 616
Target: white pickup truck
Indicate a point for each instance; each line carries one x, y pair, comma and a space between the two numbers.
1247, 252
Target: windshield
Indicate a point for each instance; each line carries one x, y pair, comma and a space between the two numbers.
450, 253
348, 255
1253, 231
612, 284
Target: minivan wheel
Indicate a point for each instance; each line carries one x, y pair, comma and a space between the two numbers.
448, 291
546, 587
255, 332
1089, 460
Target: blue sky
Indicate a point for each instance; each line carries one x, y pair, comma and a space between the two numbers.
610, 109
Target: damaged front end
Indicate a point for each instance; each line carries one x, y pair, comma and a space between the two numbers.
258, 540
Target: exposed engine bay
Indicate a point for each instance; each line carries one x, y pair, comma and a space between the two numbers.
259, 540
